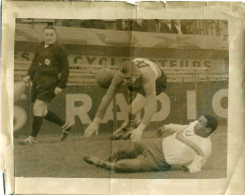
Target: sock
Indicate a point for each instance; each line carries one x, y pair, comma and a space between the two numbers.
52, 117
108, 165
36, 125
66, 127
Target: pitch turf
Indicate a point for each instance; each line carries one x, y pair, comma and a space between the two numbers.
53, 158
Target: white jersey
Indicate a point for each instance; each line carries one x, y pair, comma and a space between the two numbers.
184, 147
142, 62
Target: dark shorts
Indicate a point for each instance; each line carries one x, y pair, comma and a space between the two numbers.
43, 88
161, 83
152, 158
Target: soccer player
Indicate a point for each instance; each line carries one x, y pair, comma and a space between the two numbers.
48, 72
148, 80
189, 146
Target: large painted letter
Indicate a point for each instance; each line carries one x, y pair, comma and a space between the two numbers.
165, 108
81, 111
124, 109
20, 117
218, 109
191, 105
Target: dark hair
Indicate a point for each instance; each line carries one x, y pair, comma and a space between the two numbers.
125, 66
128, 67
49, 27
212, 122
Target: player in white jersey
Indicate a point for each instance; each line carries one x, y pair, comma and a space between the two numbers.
189, 146
146, 79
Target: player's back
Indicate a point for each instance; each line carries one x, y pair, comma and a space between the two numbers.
147, 67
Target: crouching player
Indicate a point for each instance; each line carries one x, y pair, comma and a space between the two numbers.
189, 146
49, 73
146, 79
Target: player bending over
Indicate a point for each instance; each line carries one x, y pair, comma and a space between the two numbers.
189, 146
148, 80
49, 73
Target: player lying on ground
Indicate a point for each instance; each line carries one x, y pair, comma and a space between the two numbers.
189, 145
148, 80
49, 73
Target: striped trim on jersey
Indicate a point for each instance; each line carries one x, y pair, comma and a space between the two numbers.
180, 136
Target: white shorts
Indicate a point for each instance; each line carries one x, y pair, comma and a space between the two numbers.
40, 108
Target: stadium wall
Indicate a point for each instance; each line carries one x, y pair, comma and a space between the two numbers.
179, 104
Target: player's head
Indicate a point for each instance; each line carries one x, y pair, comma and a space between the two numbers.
206, 125
129, 72
104, 77
49, 34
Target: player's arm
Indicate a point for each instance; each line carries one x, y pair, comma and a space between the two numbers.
173, 127
169, 129
110, 93
63, 68
196, 164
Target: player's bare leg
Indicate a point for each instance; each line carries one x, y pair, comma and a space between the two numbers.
138, 104
133, 119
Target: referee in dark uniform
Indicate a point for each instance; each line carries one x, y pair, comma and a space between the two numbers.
49, 73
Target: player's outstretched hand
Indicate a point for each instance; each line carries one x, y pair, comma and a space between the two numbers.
92, 128
160, 131
57, 91
136, 134
26, 79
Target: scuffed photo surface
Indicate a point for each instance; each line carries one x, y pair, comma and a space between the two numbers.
194, 55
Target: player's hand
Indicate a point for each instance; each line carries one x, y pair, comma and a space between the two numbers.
57, 91
136, 134
160, 131
26, 79
92, 128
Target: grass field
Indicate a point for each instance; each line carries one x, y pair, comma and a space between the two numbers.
53, 158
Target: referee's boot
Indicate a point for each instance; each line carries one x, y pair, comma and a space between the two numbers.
66, 129
28, 141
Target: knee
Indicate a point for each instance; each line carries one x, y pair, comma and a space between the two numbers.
135, 112
36, 110
136, 109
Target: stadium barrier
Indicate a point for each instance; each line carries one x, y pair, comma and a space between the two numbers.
189, 93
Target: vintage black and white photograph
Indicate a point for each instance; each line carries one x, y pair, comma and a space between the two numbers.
121, 98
